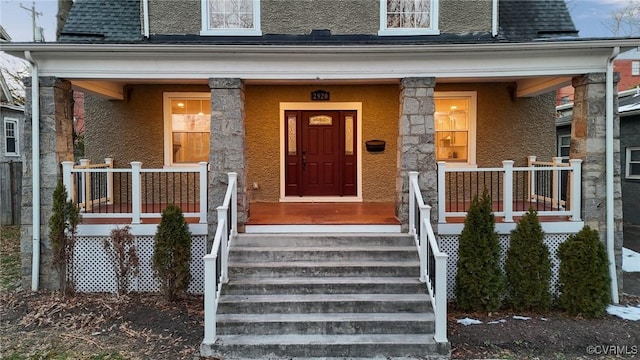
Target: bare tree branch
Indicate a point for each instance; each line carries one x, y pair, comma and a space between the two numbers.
625, 21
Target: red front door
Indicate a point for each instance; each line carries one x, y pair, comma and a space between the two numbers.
320, 153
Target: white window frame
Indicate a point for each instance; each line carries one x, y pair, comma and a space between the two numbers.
628, 162
168, 128
207, 31
433, 30
473, 116
16, 136
635, 67
560, 146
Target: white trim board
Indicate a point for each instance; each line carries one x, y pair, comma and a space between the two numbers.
560, 227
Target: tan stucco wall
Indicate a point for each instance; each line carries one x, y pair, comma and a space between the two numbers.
510, 128
131, 129
302, 16
379, 121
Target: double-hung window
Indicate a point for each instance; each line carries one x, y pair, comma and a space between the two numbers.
455, 126
187, 128
564, 147
11, 139
635, 67
231, 17
409, 17
633, 162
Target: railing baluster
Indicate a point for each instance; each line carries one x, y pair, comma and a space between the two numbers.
508, 190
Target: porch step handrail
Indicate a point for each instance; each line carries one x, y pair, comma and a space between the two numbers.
216, 262
80, 189
433, 262
514, 184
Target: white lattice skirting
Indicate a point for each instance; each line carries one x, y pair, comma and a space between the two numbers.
449, 245
94, 271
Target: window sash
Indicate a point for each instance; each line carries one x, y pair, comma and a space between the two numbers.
11, 139
231, 17
635, 67
633, 163
459, 132
187, 124
409, 17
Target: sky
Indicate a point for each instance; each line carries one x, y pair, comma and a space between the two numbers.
589, 17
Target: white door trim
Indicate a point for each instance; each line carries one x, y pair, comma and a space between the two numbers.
284, 106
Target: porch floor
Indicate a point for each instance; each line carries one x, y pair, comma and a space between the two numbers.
365, 213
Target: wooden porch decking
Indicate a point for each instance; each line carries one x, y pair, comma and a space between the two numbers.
363, 213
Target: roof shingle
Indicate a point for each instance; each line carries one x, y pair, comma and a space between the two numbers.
103, 21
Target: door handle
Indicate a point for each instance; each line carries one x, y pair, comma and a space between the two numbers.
304, 160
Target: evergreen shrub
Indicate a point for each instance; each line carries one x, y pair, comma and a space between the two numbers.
584, 277
172, 253
479, 281
528, 267
63, 225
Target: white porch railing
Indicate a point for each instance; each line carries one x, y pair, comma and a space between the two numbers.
215, 263
102, 191
550, 188
433, 262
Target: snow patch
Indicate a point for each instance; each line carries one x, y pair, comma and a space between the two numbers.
468, 321
625, 312
630, 260
497, 321
518, 317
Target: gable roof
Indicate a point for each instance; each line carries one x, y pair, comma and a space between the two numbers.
99, 21
103, 21
4, 36
527, 20
5, 93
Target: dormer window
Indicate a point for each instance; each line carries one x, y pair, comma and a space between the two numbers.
408, 17
231, 17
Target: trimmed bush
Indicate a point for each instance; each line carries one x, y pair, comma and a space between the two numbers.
584, 276
479, 281
63, 225
528, 266
172, 253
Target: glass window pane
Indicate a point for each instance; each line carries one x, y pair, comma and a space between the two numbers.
292, 147
634, 169
408, 13
321, 120
348, 135
11, 145
231, 14
635, 155
190, 147
565, 140
564, 151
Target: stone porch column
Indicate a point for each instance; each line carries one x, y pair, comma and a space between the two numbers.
56, 146
227, 146
416, 148
588, 144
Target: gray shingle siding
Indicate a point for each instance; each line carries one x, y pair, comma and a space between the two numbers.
103, 21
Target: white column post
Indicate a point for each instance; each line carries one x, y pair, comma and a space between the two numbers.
441, 298
413, 179
224, 242
425, 211
508, 190
555, 180
233, 179
203, 192
532, 178
136, 192
442, 192
85, 185
576, 189
210, 282
109, 163
67, 180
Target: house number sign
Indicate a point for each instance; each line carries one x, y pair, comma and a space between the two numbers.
320, 95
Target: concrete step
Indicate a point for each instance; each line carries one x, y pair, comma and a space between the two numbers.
277, 269
326, 323
324, 303
342, 346
323, 253
325, 285
302, 240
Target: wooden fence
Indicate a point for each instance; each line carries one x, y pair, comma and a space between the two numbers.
10, 192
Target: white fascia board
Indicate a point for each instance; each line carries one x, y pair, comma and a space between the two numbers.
130, 62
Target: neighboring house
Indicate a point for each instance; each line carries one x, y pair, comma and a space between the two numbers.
317, 101
629, 112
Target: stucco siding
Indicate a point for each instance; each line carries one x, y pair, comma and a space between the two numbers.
176, 17
379, 121
301, 16
129, 130
510, 128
